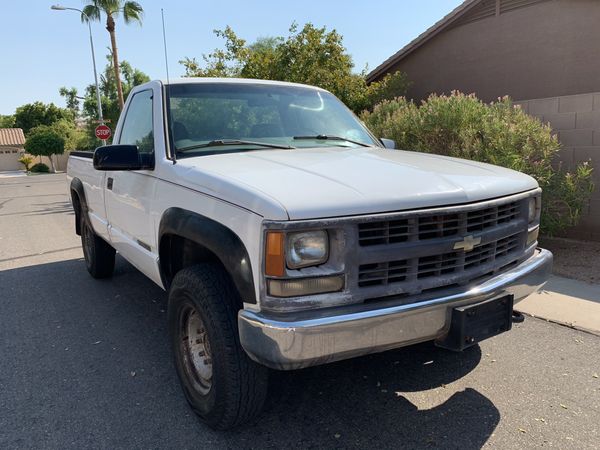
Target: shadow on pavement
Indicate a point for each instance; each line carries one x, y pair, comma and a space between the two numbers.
364, 401
90, 361
53, 208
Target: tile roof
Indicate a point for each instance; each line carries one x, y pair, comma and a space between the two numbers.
12, 136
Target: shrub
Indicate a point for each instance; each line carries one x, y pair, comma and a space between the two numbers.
499, 133
26, 161
40, 168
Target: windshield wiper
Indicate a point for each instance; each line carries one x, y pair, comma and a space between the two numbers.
230, 142
327, 137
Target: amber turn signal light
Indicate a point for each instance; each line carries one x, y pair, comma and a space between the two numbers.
275, 257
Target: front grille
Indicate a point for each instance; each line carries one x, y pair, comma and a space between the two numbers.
437, 265
434, 225
414, 253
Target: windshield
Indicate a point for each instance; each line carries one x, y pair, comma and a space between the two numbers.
286, 116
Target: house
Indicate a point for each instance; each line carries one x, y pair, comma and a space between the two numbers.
545, 54
12, 141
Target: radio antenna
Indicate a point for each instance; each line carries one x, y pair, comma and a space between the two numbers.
168, 97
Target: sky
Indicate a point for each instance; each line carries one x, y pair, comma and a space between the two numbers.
44, 49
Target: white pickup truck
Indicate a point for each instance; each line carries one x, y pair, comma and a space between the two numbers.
287, 235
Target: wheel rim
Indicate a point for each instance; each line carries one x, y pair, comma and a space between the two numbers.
195, 349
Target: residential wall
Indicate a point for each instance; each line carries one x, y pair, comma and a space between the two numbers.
576, 119
60, 161
9, 160
535, 51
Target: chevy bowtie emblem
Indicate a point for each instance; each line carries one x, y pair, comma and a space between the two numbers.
468, 243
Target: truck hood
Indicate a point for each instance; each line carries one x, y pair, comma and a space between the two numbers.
339, 181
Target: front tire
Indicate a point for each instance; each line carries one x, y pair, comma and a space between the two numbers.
224, 387
99, 255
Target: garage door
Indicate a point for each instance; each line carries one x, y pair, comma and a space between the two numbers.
9, 159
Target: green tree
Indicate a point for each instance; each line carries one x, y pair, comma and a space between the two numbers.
34, 114
226, 62
391, 86
68, 131
131, 77
7, 121
44, 141
309, 55
71, 98
132, 12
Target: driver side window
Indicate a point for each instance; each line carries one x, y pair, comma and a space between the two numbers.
137, 128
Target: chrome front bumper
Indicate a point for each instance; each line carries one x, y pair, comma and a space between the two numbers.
311, 338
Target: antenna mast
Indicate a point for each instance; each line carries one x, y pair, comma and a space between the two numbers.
162, 13
168, 97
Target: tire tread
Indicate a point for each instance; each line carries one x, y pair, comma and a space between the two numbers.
102, 264
220, 300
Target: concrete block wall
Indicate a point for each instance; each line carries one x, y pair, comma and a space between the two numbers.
60, 161
576, 120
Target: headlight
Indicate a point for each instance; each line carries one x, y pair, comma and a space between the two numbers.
308, 248
533, 209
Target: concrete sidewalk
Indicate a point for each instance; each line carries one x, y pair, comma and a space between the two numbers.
12, 173
566, 301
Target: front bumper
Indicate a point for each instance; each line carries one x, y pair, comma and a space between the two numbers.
309, 338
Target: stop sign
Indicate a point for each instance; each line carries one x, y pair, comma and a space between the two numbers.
102, 132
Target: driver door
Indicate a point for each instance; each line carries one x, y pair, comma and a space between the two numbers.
129, 193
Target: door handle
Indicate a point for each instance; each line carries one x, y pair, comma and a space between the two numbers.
109, 183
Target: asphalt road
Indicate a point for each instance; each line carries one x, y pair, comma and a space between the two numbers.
86, 364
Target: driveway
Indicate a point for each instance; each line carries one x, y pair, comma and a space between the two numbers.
86, 363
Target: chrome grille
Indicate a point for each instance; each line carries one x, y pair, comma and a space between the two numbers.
435, 225
413, 253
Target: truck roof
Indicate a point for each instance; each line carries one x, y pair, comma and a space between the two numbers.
194, 80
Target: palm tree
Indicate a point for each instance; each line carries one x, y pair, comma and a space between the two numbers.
132, 12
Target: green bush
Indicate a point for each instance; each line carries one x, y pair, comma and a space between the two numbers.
40, 168
499, 133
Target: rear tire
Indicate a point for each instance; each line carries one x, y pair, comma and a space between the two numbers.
224, 387
99, 255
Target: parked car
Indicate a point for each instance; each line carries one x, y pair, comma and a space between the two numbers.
287, 235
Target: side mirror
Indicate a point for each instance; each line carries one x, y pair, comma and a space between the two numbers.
121, 157
388, 143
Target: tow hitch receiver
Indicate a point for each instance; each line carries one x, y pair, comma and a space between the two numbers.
474, 323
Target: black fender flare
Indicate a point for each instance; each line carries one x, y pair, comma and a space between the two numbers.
79, 202
215, 237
